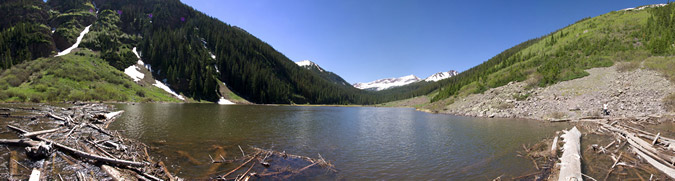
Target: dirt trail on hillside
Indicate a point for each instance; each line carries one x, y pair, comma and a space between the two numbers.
637, 93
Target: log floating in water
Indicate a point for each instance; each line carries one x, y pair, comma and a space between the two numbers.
25, 142
34, 133
570, 163
79, 153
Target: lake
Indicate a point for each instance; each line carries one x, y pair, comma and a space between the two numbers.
362, 142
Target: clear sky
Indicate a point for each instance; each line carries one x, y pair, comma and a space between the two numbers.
364, 40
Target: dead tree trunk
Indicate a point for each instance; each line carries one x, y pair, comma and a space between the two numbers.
570, 163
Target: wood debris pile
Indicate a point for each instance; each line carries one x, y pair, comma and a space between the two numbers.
72, 144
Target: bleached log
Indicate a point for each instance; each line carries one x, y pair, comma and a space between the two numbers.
554, 146
79, 153
112, 114
112, 172
34, 175
665, 169
25, 142
570, 163
656, 139
56, 117
27, 135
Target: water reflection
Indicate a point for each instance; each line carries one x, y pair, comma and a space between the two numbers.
362, 142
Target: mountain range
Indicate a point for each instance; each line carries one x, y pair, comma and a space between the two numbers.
382, 84
62, 50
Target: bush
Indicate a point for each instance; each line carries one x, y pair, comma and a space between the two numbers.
140, 93
627, 66
669, 103
504, 105
521, 97
557, 115
13, 80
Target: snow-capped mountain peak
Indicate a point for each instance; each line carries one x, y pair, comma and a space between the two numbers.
308, 64
440, 76
383, 84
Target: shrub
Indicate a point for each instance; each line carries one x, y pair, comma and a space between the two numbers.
628, 66
669, 103
504, 105
557, 115
521, 97
13, 80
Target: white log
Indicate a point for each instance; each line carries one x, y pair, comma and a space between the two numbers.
554, 146
665, 169
570, 163
112, 114
657, 138
35, 175
34, 133
112, 172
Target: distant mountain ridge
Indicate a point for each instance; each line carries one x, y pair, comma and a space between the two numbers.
382, 84
441, 75
330, 76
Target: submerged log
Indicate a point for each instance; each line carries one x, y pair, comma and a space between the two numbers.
82, 154
235, 169
570, 163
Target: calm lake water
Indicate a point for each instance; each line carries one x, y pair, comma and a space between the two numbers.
362, 142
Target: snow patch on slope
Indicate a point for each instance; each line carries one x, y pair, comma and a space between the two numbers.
134, 73
383, 84
167, 89
224, 101
643, 7
77, 43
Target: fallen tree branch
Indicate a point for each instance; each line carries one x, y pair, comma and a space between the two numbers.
235, 169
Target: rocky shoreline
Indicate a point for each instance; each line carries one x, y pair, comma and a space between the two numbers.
637, 93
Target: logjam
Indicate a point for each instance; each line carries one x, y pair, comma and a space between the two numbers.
570, 164
80, 143
79, 153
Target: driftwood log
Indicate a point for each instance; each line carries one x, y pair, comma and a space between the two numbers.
570, 163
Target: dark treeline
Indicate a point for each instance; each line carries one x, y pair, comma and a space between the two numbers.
24, 34
178, 42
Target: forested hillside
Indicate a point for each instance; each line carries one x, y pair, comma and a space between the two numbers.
186, 49
618, 36
195, 54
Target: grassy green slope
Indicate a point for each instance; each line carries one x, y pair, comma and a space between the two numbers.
562, 55
80, 76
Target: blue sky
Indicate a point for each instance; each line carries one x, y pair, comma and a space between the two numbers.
364, 40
